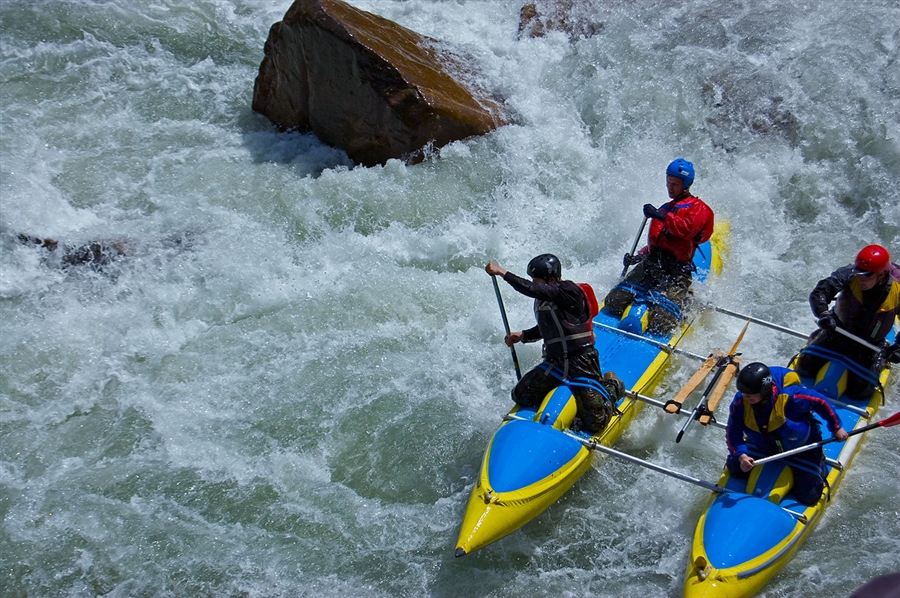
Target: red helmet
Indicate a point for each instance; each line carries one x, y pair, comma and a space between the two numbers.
873, 258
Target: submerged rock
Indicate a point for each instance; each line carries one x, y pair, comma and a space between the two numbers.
101, 253
95, 253
576, 19
365, 84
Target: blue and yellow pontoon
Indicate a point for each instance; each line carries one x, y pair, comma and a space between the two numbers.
747, 535
532, 459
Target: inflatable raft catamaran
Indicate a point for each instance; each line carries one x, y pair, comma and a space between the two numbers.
749, 532
533, 458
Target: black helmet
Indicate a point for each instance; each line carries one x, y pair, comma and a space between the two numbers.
755, 378
545, 266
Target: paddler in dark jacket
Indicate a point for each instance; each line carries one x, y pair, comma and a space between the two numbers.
564, 323
772, 413
868, 301
664, 267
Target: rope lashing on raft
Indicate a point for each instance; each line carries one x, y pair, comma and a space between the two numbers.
581, 381
644, 297
863, 372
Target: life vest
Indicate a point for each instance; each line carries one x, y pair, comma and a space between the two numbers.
593, 304
691, 226
564, 333
852, 311
779, 430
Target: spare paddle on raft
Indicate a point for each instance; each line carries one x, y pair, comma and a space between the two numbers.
885, 423
726, 362
512, 350
674, 405
730, 370
637, 240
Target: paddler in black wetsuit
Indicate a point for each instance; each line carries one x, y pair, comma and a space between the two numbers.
564, 323
866, 297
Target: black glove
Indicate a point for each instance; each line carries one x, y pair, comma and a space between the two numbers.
826, 321
651, 212
892, 353
631, 259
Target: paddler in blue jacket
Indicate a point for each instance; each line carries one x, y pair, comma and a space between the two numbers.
772, 413
564, 323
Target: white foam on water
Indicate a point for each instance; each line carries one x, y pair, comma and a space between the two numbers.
286, 384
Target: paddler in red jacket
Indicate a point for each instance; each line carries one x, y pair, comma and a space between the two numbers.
662, 272
564, 324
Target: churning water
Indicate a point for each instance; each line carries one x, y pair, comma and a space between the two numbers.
285, 385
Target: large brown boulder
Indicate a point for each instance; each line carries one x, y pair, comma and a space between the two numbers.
365, 84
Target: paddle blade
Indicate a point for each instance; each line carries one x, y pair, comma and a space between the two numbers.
739, 338
891, 421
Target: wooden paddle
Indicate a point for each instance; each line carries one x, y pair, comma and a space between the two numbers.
730, 370
702, 407
674, 405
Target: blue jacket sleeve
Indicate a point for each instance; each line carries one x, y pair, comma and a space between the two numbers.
734, 429
806, 400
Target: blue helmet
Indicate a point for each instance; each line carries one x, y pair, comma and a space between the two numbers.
682, 169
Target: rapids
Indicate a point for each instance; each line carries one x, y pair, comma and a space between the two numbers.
285, 384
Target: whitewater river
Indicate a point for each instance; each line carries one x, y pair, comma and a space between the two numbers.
285, 384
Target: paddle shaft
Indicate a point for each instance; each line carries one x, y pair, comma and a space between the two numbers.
637, 240
891, 421
797, 333
861, 341
512, 350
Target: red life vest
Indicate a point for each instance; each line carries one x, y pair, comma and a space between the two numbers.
593, 304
